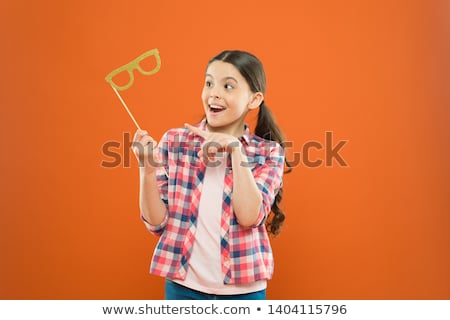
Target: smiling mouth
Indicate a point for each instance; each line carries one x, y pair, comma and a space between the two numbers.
215, 108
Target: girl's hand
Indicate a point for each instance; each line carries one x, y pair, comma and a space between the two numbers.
145, 148
215, 142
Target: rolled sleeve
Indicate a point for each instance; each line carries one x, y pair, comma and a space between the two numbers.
268, 178
155, 229
162, 183
163, 170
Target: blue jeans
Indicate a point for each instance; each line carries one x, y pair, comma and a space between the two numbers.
175, 291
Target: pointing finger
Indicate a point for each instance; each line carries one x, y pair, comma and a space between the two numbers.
196, 130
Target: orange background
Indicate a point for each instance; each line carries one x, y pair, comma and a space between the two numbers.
375, 73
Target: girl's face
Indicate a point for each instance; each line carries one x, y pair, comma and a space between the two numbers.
227, 98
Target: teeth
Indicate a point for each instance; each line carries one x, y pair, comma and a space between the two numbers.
216, 107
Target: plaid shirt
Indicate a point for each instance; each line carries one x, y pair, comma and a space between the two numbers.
246, 252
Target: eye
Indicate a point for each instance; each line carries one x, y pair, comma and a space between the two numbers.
229, 86
208, 84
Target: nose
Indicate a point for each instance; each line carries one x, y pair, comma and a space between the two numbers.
215, 96
214, 93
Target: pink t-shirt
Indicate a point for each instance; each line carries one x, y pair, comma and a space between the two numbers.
205, 268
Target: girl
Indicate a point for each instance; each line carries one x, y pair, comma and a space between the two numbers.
207, 190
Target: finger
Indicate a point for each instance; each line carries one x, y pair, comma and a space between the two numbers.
197, 131
211, 148
149, 141
145, 143
139, 134
203, 156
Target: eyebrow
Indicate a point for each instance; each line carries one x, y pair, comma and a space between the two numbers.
226, 78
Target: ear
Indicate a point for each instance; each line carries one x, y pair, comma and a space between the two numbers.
255, 100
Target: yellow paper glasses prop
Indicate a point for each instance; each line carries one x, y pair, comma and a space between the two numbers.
130, 67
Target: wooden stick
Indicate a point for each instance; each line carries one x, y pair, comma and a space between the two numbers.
134, 120
126, 108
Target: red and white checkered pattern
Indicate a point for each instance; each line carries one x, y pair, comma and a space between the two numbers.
246, 252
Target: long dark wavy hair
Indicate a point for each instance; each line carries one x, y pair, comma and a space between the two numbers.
252, 70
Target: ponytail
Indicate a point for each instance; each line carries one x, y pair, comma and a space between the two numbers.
267, 128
